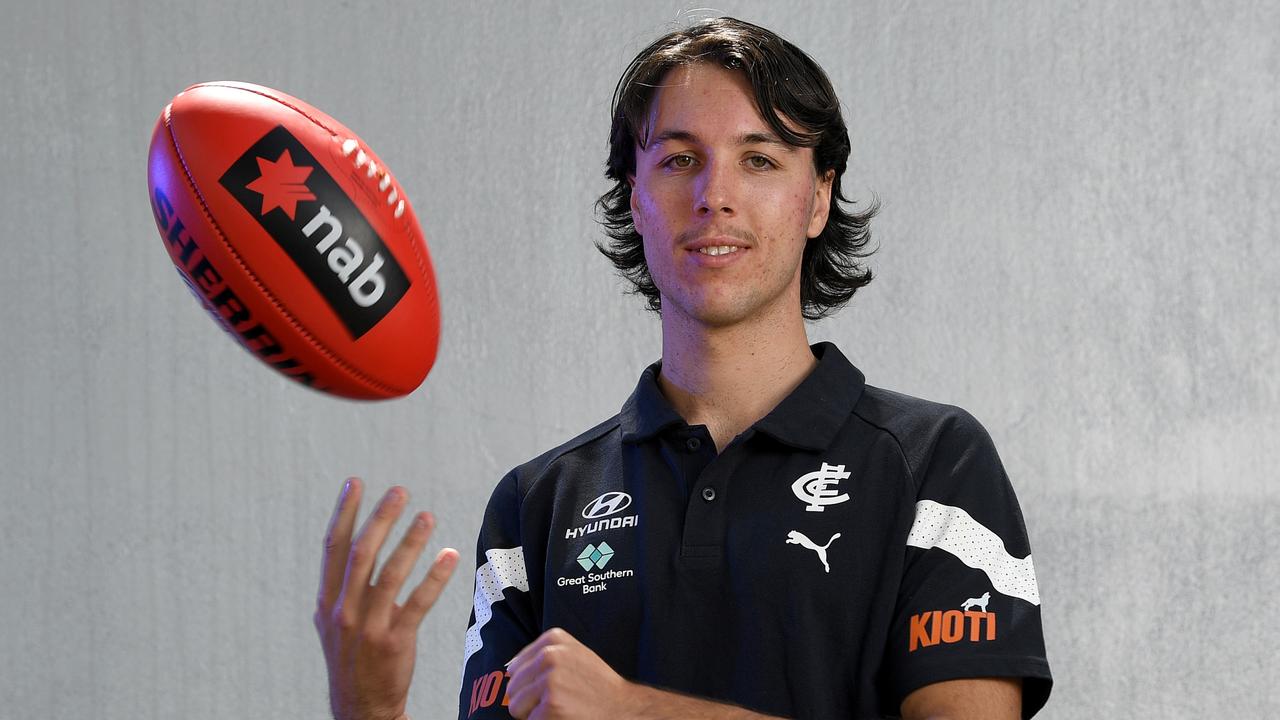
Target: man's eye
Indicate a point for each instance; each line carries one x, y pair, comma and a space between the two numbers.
766, 162
679, 161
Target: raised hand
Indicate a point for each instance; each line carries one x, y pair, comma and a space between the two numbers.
370, 642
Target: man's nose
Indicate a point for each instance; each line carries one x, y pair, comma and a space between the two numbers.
716, 190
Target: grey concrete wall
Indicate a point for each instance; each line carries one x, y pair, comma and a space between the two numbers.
1079, 245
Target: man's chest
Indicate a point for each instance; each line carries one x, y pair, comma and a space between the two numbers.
660, 547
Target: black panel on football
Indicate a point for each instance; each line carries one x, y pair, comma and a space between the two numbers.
301, 206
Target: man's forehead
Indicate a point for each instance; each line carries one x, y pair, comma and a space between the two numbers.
676, 135
685, 93
670, 119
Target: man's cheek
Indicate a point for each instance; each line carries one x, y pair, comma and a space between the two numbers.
641, 211
656, 261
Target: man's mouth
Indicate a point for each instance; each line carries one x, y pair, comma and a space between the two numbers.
718, 249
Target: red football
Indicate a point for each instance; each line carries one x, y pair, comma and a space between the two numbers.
296, 238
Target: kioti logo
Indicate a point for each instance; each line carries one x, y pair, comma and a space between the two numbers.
953, 626
301, 206
486, 689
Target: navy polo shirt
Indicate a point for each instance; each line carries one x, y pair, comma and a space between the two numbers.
853, 545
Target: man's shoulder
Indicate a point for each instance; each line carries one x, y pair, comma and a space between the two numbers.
907, 415
918, 425
585, 449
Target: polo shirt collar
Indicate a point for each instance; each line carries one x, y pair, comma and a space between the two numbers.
647, 412
808, 418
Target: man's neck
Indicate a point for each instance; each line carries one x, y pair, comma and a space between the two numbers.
728, 378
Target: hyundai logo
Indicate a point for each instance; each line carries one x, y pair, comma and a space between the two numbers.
606, 505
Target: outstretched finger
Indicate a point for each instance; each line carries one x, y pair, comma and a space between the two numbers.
424, 596
337, 543
382, 596
365, 547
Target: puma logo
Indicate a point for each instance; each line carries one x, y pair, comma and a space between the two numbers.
981, 602
795, 537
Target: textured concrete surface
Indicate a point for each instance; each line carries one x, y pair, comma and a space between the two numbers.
1078, 244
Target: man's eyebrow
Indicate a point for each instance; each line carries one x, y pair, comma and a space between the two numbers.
751, 138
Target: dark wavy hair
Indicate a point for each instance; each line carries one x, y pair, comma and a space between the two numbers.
786, 82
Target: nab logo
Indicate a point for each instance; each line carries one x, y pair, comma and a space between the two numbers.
814, 488
281, 184
368, 286
606, 505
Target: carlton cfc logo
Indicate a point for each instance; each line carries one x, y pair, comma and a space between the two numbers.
815, 489
607, 504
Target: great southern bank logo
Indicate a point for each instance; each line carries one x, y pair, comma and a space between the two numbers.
594, 557
815, 488
604, 512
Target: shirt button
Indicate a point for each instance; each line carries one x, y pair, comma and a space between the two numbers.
693, 444
708, 494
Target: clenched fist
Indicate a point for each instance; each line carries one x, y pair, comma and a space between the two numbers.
558, 678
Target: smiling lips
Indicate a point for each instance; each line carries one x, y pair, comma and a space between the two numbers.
718, 249
716, 252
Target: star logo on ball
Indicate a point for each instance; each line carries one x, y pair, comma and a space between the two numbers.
282, 184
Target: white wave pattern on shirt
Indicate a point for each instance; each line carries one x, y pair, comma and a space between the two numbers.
504, 569
955, 531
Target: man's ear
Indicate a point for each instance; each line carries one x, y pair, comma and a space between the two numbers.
636, 220
821, 204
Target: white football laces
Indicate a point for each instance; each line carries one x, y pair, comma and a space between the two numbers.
362, 160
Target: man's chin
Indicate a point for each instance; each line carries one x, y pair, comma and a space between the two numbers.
715, 315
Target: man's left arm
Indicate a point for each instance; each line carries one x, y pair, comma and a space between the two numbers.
966, 639
558, 678
970, 698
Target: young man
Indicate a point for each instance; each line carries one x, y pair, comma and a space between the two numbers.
758, 533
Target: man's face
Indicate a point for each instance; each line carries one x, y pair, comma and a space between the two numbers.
724, 206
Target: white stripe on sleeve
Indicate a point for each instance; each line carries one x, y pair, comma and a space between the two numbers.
955, 531
504, 569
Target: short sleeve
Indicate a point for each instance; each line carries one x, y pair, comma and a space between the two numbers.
968, 605
502, 616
